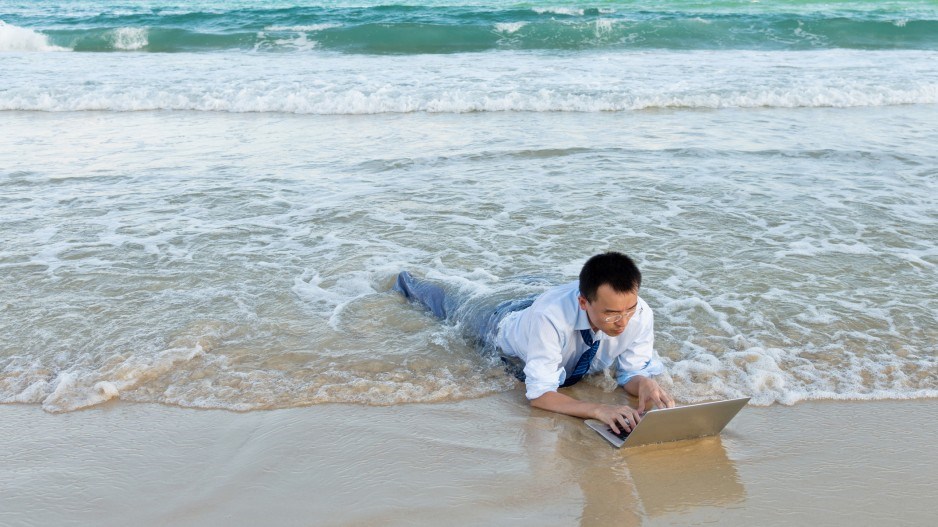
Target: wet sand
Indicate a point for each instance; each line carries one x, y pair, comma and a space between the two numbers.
489, 461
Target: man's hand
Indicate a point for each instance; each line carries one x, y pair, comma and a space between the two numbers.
649, 393
617, 417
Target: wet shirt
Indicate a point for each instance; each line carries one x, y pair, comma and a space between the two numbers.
546, 336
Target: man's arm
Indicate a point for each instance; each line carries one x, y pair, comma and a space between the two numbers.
617, 417
638, 364
648, 392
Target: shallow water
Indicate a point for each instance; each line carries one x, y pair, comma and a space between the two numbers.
245, 261
218, 225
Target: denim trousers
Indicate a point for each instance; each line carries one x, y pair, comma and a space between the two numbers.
480, 318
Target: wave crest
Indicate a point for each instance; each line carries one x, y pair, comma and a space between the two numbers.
129, 38
15, 38
355, 101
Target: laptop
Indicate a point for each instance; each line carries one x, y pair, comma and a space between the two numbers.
674, 424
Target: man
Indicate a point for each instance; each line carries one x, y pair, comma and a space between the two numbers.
570, 331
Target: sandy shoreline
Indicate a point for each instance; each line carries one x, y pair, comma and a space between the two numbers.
485, 461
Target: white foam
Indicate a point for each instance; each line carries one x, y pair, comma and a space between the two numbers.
810, 246
604, 26
341, 85
773, 375
129, 38
332, 301
15, 38
48, 256
45, 234
307, 100
814, 315
812, 37
299, 43
81, 387
509, 27
569, 11
190, 378
691, 303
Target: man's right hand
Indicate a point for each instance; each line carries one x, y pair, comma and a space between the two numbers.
618, 417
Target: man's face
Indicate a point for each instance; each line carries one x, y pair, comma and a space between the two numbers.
609, 304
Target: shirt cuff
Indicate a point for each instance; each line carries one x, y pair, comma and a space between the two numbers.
537, 389
651, 368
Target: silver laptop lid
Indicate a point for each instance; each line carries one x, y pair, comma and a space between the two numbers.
675, 424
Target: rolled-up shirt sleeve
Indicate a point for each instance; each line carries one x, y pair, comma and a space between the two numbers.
641, 357
543, 369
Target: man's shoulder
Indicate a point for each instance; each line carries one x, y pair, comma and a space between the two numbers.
560, 293
554, 310
558, 303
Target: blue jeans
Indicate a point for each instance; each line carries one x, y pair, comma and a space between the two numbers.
480, 319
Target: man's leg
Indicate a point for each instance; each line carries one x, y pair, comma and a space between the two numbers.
486, 322
432, 296
489, 331
480, 319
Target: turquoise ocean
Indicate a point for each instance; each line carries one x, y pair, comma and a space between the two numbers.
204, 204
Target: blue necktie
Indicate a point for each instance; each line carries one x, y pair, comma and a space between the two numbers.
583, 365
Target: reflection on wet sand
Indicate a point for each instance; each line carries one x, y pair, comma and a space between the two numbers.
680, 476
489, 461
630, 485
559, 448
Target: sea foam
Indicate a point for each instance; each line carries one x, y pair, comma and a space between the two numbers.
566, 11
509, 27
14, 38
338, 100
129, 38
509, 82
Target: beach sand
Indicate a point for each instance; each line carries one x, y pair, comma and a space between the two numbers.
488, 461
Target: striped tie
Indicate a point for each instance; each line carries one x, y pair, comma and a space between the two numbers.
583, 365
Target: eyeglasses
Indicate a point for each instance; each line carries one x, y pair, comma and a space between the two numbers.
612, 319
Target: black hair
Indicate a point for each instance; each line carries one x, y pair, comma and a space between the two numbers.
613, 268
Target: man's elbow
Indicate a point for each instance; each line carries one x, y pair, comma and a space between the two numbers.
542, 401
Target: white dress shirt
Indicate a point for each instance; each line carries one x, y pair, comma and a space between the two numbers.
546, 336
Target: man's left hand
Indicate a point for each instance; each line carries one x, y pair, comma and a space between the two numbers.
649, 393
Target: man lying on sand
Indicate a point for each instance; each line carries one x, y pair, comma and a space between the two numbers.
570, 331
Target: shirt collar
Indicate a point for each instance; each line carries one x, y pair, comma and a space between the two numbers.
582, 320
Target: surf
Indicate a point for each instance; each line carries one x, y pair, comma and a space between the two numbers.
443, 28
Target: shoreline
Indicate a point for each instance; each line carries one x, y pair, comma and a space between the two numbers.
478, 461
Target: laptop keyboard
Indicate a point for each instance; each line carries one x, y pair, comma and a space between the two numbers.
621, 435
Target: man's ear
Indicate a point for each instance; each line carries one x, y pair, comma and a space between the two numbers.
582, 300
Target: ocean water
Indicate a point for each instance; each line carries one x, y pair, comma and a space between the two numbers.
205, 204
